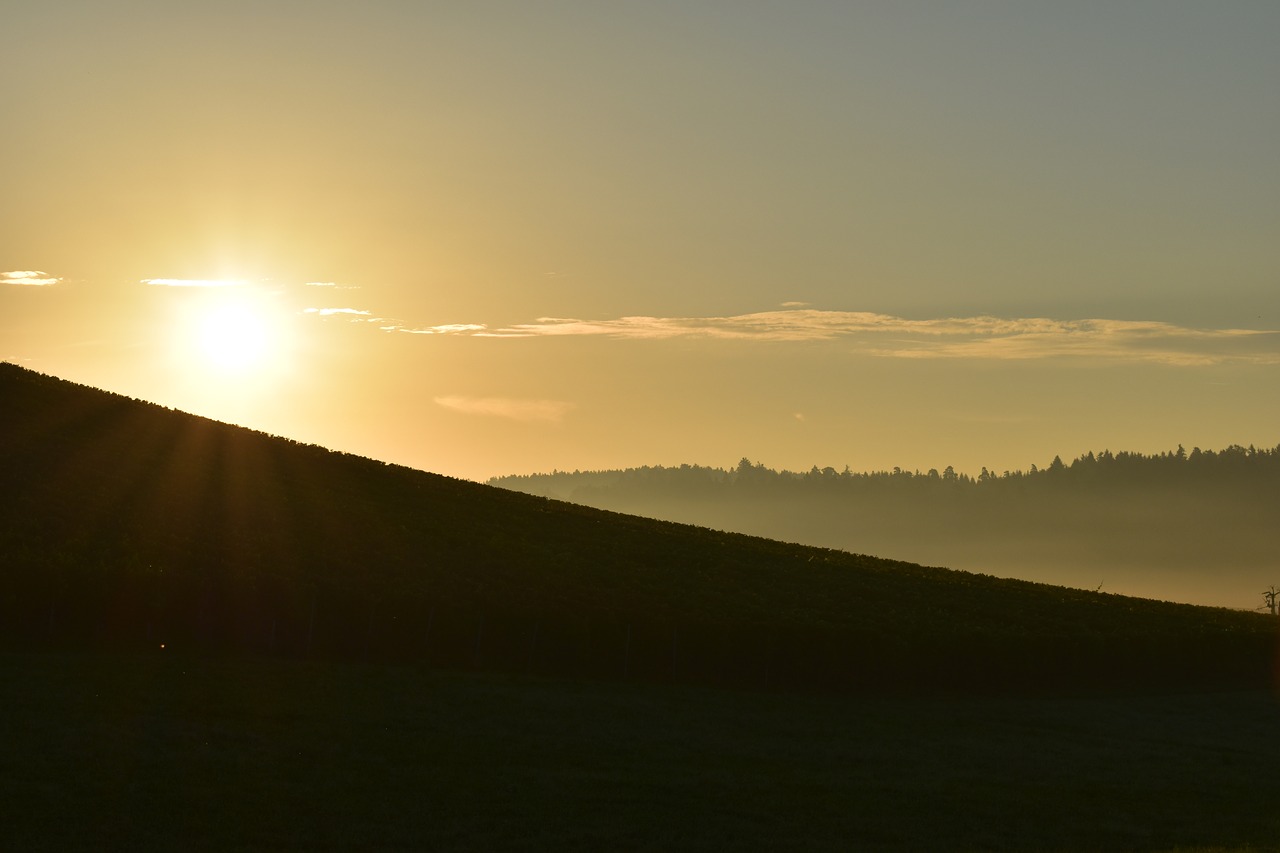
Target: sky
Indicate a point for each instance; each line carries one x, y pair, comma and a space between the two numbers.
489, 238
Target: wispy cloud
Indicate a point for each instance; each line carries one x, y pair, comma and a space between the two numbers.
551, 411
446, 329
888, 336
1110, 340
28, 278
195, 282
389, 324
329, 312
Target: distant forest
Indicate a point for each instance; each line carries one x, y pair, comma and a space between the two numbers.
1195, 526
1236, 464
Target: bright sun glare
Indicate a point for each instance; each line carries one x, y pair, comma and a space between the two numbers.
233, 336
231, 333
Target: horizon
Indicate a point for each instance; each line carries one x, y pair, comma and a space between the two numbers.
507, 241
897, 470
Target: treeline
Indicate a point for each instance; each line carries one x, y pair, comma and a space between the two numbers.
1194, 526
1234, 467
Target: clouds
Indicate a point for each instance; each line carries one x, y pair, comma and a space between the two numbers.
886, 336
294, 292
549, 411
358, 315
195, 282
992, 338
1110, 340
28, 278
445, 329
388, 324
852, 333
329, 312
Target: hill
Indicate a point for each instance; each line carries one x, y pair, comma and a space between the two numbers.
1194, 526
127, 525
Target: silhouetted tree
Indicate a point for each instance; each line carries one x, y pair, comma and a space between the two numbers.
1270, 595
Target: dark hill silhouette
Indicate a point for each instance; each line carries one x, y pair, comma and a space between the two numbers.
125, 524
1196, 527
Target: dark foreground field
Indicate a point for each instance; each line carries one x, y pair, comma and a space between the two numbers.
115, 752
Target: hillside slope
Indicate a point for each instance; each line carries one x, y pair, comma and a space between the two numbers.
126, 524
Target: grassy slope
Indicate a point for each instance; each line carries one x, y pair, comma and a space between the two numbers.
125, 523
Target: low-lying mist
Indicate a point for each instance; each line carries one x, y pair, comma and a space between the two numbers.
1196, 527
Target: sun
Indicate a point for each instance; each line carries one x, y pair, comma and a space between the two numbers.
233, 337
230, 337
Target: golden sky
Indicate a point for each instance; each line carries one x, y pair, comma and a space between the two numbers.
503, 237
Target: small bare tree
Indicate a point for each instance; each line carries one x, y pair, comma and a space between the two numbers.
1271, 595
